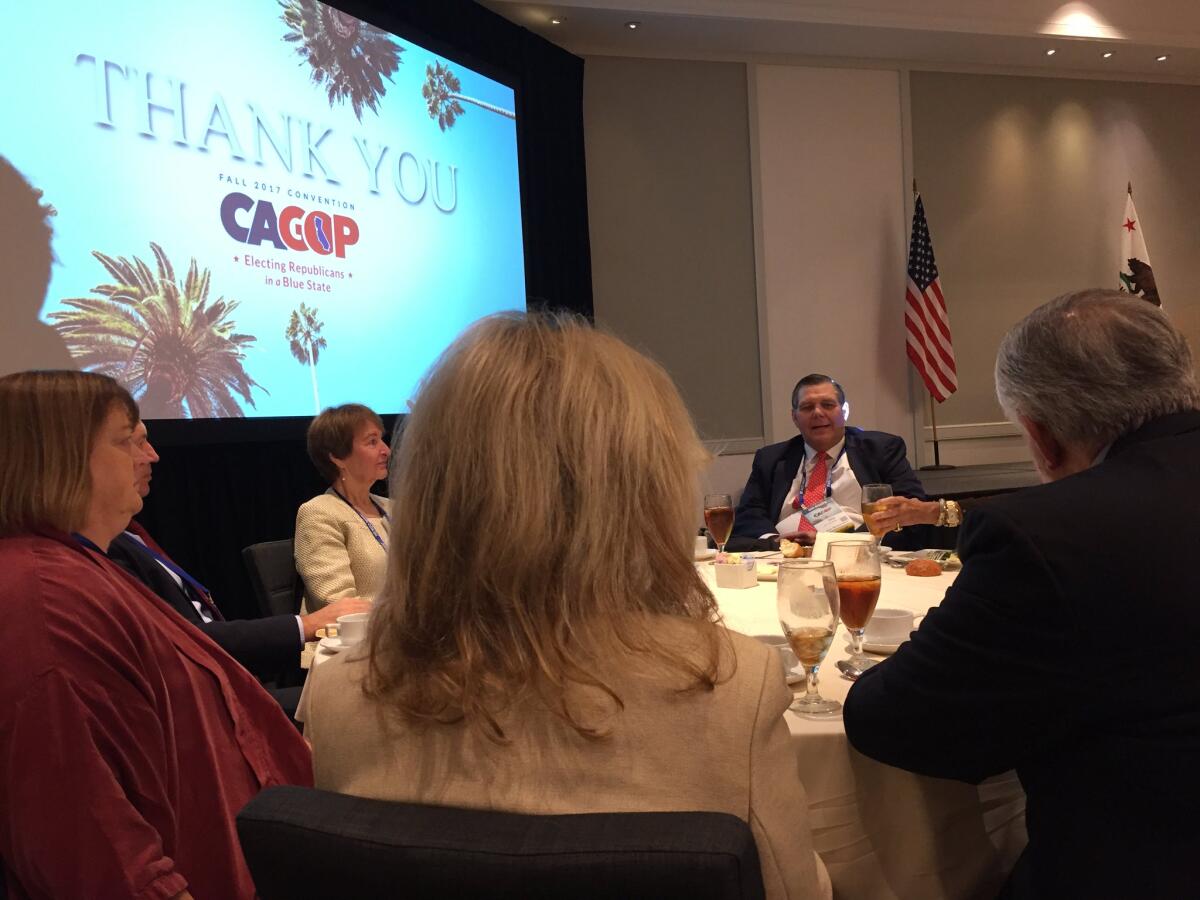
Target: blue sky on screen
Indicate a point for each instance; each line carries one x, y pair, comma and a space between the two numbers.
425, 260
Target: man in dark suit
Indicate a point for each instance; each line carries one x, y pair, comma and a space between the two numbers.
1057, 652
827, 460
264, 646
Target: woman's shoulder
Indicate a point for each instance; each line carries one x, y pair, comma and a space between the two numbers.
322, 504
52, 562
742, 661
52, 591
686, 632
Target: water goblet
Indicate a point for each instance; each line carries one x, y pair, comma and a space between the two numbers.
807, 603
718, 516
858, 581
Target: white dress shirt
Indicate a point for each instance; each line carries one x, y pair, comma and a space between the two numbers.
847, 492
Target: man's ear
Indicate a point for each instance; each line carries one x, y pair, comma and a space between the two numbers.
1048, 446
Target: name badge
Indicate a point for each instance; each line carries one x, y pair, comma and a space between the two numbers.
828, 516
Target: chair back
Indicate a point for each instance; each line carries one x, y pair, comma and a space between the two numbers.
375, 848
272, 569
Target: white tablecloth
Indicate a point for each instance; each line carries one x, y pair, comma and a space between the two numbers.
882, 832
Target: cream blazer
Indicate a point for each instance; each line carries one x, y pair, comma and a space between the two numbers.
726, 750
336, 554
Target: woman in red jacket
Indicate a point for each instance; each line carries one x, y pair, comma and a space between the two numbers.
128, 740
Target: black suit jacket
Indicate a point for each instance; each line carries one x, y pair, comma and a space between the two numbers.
1066, 650
875, 457
265, 646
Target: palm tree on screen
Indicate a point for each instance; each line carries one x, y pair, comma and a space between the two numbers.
348, 56
177, 351
442, 93
305, 341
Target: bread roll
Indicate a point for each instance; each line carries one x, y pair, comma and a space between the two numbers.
923, 568
793, 550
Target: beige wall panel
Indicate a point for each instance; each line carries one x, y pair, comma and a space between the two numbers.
1024, 186
832, 230
668, 169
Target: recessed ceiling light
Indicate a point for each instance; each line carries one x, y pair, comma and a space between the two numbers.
1108, 54
1051, 52
632, 25
1162, 58
556, 21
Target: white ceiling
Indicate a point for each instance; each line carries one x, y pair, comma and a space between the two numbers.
966, 34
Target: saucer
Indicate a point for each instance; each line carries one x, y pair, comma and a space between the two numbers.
335, 644
880, 649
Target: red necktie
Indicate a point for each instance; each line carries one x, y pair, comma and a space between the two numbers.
814, 491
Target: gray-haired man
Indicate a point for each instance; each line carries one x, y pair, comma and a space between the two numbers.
1059, 652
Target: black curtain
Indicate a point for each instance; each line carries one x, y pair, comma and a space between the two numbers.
210, 499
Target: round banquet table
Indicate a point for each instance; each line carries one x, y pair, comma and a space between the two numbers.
883, 832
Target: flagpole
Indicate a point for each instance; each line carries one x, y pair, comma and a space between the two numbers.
937, 457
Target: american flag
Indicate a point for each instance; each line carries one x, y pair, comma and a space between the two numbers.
929, 344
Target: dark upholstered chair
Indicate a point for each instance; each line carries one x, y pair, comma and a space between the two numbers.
278, 589
272, 568
304, 843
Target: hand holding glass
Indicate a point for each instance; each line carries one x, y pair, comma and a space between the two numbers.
807, 603
718, 516
871, 495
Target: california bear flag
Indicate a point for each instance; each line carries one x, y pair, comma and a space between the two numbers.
1135, 273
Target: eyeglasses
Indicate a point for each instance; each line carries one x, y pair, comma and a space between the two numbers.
828, 406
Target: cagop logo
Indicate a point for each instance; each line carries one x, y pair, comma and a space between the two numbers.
293, 229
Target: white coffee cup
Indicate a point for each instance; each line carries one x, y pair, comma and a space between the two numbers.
787, 658
890, 626
701, 545
352, 628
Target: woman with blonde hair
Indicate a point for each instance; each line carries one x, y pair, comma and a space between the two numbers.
544, 643
128, 740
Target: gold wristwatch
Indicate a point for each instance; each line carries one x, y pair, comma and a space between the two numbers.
951, 514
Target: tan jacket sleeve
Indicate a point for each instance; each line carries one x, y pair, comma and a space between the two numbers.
778, 803
322, 558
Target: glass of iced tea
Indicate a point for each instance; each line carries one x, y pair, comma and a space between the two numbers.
871, 495
807, 602
718, 516
858, 581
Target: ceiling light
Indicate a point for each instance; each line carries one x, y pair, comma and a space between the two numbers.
1051, 52
632, 26
556, 21
1108, 54
1078, 19
1162, 58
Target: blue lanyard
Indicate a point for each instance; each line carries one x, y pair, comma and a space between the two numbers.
365, 520
170, 564
796, 504
197, 586
87, 543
